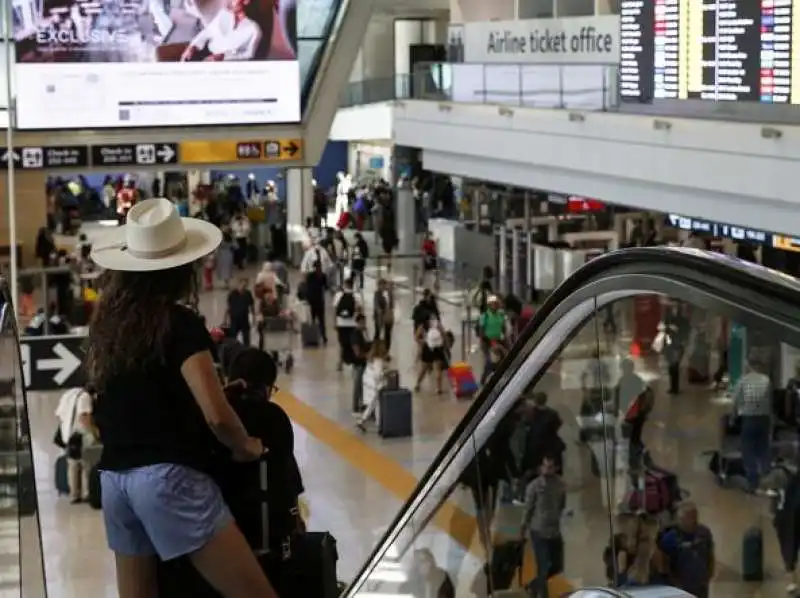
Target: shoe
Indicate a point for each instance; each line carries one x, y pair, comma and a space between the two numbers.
76, 501
361, 427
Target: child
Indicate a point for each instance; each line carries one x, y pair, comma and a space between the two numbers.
374, 381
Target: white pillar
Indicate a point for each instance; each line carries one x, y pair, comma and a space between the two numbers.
299, 202
405, 211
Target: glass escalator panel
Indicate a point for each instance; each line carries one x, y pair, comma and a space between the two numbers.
316, 22
641, 437
21, 564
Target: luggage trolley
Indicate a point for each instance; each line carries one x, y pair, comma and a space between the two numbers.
279, 339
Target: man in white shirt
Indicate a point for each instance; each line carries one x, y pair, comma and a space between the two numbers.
316, 253
74, 414
231, 35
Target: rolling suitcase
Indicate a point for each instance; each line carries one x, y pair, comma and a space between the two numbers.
462, 379
506, 562
753, 555
305, 565
395, 415
309, 334
61, 478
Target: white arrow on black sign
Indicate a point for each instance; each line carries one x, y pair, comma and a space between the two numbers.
65, 364
166, 153
10, 155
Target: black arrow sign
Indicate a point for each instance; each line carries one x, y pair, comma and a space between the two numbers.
291, 149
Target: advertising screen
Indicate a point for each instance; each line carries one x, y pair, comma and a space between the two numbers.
151, 63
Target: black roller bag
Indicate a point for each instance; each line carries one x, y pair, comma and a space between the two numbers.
300, 565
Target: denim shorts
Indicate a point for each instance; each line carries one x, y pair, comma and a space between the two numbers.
165, 509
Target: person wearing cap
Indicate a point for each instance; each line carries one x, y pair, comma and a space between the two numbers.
492, 330
159, 408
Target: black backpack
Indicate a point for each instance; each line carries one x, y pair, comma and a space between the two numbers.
346, 307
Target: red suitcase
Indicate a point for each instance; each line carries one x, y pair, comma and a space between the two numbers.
344, 221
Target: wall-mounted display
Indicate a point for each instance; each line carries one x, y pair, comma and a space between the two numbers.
153, 63
732, 50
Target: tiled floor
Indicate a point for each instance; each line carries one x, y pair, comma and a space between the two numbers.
355, 484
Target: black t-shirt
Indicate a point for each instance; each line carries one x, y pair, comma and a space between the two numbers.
239, 305
148, 415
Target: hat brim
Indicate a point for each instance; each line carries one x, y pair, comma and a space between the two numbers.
110, 251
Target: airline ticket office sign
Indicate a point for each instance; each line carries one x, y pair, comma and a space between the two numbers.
571, 40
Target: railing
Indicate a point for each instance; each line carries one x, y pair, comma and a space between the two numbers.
372, 91
574, 86
559, 356
22, 569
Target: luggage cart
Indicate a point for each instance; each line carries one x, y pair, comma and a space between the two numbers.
279, 339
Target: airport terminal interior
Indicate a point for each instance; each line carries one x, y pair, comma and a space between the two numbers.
528, 271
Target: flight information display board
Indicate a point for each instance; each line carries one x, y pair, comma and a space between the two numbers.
721, 50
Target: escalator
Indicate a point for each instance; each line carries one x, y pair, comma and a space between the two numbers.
590, 350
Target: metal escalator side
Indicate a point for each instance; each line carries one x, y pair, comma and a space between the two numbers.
22, 566
587, 343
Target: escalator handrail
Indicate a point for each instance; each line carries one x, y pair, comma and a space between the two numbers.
741, 274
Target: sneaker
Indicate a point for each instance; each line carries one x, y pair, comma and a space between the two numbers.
791, 589
361, 427
76, 501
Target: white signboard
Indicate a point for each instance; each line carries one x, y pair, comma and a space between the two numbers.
572, 40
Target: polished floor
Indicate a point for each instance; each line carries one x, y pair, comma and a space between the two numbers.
355, 483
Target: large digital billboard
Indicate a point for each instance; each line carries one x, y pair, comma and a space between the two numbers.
151, 63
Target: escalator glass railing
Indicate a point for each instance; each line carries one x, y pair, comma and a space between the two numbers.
618, 398
21, 564
316, 22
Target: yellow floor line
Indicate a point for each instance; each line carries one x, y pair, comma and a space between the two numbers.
453, 520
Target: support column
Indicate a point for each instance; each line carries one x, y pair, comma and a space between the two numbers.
406, 214
31, 212
299, 206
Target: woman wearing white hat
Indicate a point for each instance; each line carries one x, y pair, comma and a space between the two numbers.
159, 407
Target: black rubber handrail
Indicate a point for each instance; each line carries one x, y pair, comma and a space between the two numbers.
742, 275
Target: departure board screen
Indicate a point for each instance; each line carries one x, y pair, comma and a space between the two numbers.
720, 50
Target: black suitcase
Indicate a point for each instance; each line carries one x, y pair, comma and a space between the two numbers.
506, 562
61, 478
307, 568
95, 492
395, 415
753, 555
310, 335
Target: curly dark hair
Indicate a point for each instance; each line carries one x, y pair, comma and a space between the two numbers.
132, 320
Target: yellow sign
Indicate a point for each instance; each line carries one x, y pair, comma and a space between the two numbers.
786, 243
245, 150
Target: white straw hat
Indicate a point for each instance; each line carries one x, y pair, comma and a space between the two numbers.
155, 237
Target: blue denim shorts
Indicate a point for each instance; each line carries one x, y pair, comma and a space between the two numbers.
168, 510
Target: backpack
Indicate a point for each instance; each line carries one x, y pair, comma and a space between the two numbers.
346, 306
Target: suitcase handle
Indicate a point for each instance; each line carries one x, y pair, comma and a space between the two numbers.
263, 472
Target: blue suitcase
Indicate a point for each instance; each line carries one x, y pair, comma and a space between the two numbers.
395, 415
61, 479
753, 555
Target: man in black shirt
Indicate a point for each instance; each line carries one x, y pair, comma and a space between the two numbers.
240, 312
361, 347
315, 289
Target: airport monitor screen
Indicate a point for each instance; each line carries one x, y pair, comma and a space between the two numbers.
718, 50
84, 64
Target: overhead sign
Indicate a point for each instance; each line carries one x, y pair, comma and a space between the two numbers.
52, 362
573, 40
53, 157
718, 229
91, 64
245, 150
135, 154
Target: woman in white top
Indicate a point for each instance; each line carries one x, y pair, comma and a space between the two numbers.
240, 228
76, 429
434, 352
374, 380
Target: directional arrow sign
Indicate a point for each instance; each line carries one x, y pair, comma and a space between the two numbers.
291, 148
64, 364
52, 362
166, 153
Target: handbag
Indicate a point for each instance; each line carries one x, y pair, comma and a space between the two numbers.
73, 446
